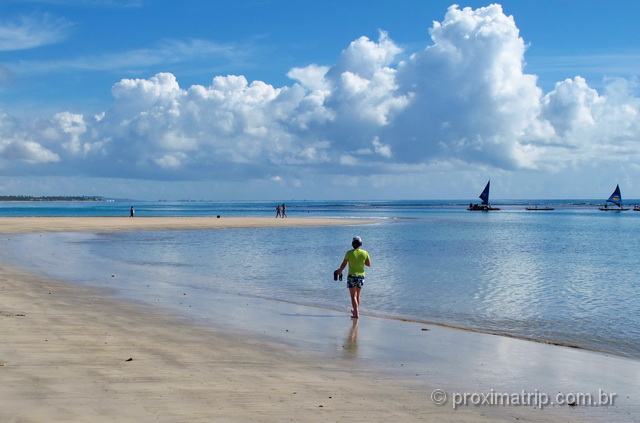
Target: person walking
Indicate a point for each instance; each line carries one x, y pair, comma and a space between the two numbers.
284, 210
278, 210
357, 259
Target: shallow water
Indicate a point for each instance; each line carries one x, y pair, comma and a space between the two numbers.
569, 276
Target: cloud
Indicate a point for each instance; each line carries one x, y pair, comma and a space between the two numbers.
90, 3
30, 31
17, 146
165, 53
472, 100
462, 102
588, 125
364, 87
311, 77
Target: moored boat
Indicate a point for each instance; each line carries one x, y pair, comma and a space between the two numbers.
536, 208
485, 205
615, 198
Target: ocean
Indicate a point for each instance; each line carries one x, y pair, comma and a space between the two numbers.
568, 276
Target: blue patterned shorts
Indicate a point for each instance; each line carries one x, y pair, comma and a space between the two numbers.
355, 281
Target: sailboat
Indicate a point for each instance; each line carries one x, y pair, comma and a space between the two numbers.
616, 199
484, 206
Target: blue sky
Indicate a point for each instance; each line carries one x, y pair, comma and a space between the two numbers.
319, 100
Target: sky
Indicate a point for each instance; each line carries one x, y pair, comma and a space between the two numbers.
333, 100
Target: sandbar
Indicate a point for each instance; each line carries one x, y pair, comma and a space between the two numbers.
12, 225
78, 354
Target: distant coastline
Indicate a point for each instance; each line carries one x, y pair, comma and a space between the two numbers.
58, 198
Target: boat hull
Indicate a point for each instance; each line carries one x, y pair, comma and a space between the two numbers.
482, 208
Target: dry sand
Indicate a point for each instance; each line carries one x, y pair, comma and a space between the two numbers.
75, 354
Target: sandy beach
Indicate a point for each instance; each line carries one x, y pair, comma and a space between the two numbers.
77, 354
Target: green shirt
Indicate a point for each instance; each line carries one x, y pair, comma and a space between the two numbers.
356, 258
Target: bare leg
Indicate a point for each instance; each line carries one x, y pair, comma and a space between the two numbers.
355, 302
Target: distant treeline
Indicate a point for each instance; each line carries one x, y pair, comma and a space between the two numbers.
52, 198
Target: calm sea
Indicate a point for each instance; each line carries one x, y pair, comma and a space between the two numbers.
567, 276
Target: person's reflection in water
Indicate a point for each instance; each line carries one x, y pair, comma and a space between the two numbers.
351, 343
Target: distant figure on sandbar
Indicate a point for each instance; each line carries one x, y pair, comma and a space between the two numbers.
132, 212
278, 211
284, 210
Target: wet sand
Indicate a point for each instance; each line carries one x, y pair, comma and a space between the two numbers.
77, 354
12, 225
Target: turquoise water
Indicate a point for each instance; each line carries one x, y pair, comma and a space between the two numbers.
567, 276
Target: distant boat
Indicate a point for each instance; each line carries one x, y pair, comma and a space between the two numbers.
536, 208
636, 208
484, 206
616, 199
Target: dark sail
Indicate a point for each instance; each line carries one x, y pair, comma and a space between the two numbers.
615, 198
485, 194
